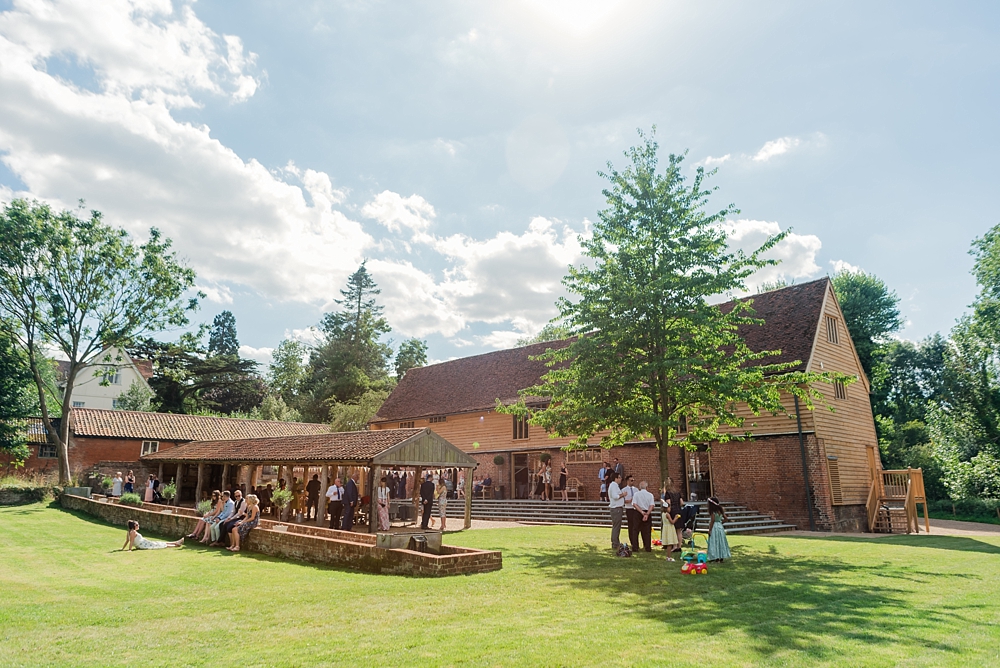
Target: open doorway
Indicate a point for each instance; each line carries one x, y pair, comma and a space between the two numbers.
698, 472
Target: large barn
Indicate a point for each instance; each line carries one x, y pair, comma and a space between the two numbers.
828, 458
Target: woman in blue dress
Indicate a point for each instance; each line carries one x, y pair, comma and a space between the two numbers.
718, 546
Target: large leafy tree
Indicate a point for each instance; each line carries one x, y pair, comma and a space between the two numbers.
18, 397
651, 350
222, 339
412, 353
871, 312
187, 379
79, 285
287, 370
352, 358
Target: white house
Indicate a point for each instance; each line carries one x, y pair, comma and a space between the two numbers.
100, 384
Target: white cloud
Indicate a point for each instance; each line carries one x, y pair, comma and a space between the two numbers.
262, 355
845, 267
796, 252
400, 213
121, 148
775, 147
220, 294
715, 162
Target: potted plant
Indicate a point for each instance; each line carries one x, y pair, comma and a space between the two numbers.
545, 457
281, 498
204, 507
107, 482
498, 460
169, 492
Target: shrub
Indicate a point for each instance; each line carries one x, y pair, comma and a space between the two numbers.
498, 460
204, 507
545, 457
130, 499
169, 491
107, 481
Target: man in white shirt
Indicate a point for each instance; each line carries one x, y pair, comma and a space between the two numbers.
631, 517
335, 503
642, 506
616, 502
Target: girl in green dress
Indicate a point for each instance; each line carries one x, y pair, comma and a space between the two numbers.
718, 546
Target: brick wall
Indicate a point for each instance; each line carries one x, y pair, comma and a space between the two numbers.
766, 475
304, 543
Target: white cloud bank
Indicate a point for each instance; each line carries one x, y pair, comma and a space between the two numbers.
277, 232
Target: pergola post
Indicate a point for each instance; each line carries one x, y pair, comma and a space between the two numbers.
225, 477
159, 473
179, 483
321, 505
374, 475
418, 475
252, 478
468, 498
201, 482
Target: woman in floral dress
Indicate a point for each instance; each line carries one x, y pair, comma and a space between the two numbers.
243, 527
135, 541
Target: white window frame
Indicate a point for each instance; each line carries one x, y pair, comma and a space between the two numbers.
149, 447
79, 404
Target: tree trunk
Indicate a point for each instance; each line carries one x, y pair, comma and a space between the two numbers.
54, 437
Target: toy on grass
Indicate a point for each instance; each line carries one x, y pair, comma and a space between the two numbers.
695, 559
657, 542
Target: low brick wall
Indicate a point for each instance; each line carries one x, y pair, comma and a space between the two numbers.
306, 543
17, 496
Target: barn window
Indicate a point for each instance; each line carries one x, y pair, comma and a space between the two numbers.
520, 428
46, 451
839, 390
831, 330
112, 377
149, 447
79, 404
836, 491
588, 456
438, 418
682, 424
406, 425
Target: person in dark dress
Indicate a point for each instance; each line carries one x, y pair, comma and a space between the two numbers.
401, 493
563, 473
426, 501
674, 494
350, 502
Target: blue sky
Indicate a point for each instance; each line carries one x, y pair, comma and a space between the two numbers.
457, 145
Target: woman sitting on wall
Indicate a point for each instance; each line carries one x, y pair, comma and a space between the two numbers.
203, 523
243, 527
134, 540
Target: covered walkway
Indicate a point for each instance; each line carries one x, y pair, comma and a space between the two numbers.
372, 452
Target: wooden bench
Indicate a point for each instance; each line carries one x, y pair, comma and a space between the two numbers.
573, 486
485, 493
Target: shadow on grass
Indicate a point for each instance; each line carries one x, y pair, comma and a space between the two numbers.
955, 543
782, 603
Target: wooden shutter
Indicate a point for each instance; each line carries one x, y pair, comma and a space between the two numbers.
836, 492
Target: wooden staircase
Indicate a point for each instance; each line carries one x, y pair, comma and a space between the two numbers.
892, 502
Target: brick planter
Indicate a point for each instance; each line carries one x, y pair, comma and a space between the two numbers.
305, 543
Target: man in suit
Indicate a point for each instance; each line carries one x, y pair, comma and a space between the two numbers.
619, 469
426, 501
350, 502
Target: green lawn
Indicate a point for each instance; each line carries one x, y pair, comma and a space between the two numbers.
67, 597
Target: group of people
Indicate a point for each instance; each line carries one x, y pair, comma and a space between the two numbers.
603, 473
229, 520
544, 489
120, 485
635, 506
429, 493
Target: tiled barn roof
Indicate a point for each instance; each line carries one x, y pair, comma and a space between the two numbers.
791, 316
335, 446
95, 422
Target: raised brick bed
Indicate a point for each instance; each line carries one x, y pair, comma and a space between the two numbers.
305, 543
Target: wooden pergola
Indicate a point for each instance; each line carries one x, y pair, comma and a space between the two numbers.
379, 451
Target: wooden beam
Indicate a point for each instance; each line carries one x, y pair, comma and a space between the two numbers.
159, 474
225, 477
321, 506
374, 474
468, 500
179, 483
418, 476
201, 481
